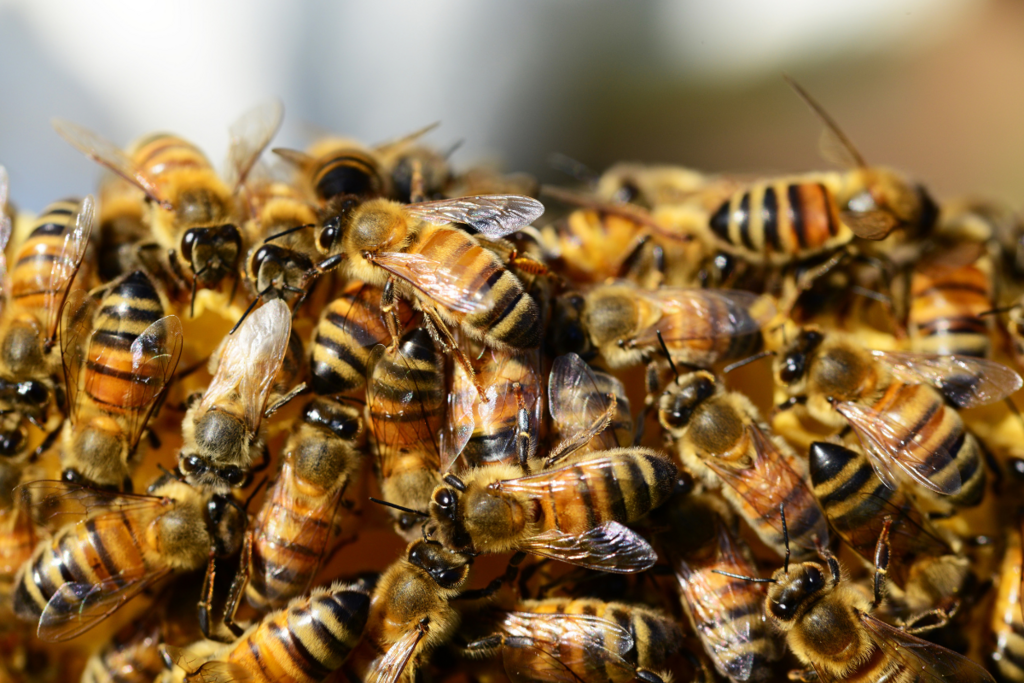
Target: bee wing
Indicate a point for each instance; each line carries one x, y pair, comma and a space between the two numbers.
250, 135
565, 648
732, 313
155, 354
389, 668
966, 381
928, 661
213, 671
437, 280
511, 369
389, 415
75, 321
53, 499
77, 607
907, 536
769, 482
64, 269
885, 441
250, 360
835, 146
725, 640
611, 547
493, 215
580, 406
459, 418
106, 153
870, 225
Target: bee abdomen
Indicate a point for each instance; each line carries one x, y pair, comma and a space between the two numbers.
350, 327
348, 172
946, 308
30, 275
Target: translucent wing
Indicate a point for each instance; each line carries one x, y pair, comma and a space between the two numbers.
60, 500
213, 671
966, 381
250, 135
583, 405
611, 547
459, 418
64, 269
493, 215
398, 143
870, 225
77, 607
389, 668
769, 482
887, 442
439, 281
500, 398
838, 147
155, 354
75, 322
694, 314
565, 648
927, 661
250, 360
108, 154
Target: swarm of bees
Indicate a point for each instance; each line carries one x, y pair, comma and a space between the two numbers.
350, 414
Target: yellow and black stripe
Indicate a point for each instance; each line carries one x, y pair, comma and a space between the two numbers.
132, 656
344, 171
306, 641
509, 316
946, 307
30, 276
496, 428
1007, 624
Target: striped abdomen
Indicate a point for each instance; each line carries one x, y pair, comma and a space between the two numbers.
346, 171
289, 538
1007, 625
656, 636
782, 221
934, 425
134, 658
30, 274
704, 330
162, 153
128, 308
306, 641
349, 328
857, 503
946, 306
509, 317
113, 545
18, 538
621, 485
497, 411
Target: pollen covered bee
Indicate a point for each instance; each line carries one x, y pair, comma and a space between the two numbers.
896, 404
118, 356
192, 213
222, 431
142, 538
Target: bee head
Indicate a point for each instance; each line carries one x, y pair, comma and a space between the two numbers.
211, 252
683, 397
792, 365
447, 568
446, 515
794, 590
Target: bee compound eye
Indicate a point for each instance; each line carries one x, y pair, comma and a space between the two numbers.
232, 475
792, 368
188, 241
444, 498
191, 464
33, 392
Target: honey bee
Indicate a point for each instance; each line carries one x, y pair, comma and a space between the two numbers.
19, 533
828, 626
1007, 621
191, 212
720, 438
132, 656
414, 253
115, 379
405, 401
222, 431
783, 220
349, 328
699, 327
416, 171
140, 538
289, 539
496, 509
727, 616
924, 567
499, 426
559, 640
895, 402
589, 408
45, 267
410, 613
333, 168
301, 643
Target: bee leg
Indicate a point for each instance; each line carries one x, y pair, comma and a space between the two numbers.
805, 280
447, 341
484, 647
524, 442
206, 604
937, 617
389, 311
511, 572
238, 587
47, 443
284, 400
881, 562
803, 675
417, 191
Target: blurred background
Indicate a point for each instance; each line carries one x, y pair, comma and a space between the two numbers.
933, 87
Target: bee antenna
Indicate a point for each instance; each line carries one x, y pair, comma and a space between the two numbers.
169, 473
752, 579
454, 148
749, 359
249, 309
350, 399
399, 507
1001, 309
289, 231
785, 535
664, 347
254, 492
